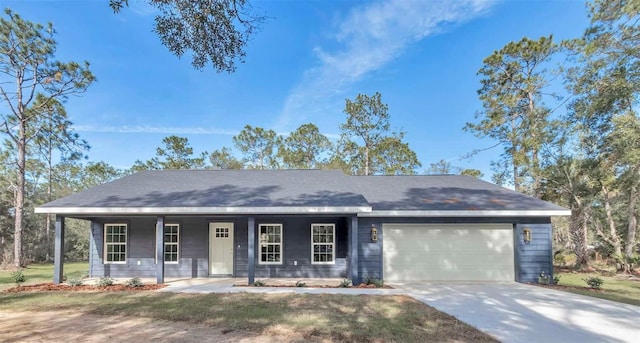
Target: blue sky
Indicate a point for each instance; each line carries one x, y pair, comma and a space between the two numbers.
422, 56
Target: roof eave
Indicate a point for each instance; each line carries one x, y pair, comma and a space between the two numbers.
203, 210
466, 213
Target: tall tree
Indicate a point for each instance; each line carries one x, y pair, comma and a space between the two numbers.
53, 134
513, 83
606, 86
259, 147
366, 144
176, 154
29, 71
567, 180
214, 31
223, 159
445, 167
472, 172
440, 167
305, 148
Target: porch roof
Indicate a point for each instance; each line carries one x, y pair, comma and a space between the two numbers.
298, 192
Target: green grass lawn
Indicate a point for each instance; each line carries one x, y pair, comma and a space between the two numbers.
43, 272
318, 317
614, 288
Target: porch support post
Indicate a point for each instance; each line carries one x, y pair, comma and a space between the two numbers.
58, 253
160, 250
251, 249
353, 250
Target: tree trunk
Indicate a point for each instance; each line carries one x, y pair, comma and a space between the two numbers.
19, 198
366, 160
578, 228
534, 165
613, 232
633, 222
47, 238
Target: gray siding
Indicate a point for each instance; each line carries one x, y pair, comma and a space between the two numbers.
530, 259
369, 252
141, 250
296, 248
535, 257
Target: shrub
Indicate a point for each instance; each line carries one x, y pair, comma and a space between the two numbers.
75, 282
135, 282
18, 277
259, 283
301, 284
559, 259
594, 282
543, 279
379, 283
105, 281
346, 283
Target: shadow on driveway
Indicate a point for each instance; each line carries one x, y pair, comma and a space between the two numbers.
514, 312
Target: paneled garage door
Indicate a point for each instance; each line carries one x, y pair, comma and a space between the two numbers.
448, 252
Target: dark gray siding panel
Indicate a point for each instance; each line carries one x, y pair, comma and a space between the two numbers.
530, 259
369, 252
535, 257
296, 249
141, 248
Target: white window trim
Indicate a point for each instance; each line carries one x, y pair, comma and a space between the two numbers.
126, 243
177, 244
281, 244
333, 245
155, 245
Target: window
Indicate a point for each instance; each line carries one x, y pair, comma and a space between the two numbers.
115, 243
322, 243
222, 232
171, 242
270, 236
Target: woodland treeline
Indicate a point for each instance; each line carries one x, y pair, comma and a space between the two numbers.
563, 115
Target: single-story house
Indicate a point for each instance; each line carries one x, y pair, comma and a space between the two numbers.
308, 224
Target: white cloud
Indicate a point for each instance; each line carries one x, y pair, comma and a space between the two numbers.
142, 8
370, 37
152, 129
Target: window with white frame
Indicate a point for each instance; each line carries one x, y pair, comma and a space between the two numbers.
115, 243
323, 243
171, 243
270, 236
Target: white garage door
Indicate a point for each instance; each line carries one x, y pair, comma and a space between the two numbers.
448, 252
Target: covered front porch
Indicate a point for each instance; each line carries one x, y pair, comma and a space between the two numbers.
145, 243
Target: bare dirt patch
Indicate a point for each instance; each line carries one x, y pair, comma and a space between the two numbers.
46, 287
64, 326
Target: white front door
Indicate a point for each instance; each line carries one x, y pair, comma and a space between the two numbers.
221, 248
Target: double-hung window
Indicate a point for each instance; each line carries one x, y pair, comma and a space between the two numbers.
171, 243
115, 243
270, 236
323, 243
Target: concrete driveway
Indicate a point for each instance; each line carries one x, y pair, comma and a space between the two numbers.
514, 312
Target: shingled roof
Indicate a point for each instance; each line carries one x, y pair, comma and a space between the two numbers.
298, 192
